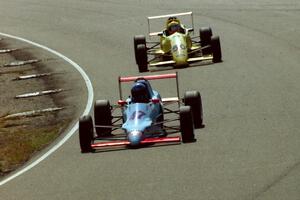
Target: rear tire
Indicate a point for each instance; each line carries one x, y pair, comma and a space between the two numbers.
138, 39
142, 58
205, 38
186, 124
102, 115
216, 49
86, 133
193, 99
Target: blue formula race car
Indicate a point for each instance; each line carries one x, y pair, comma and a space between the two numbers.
145, 117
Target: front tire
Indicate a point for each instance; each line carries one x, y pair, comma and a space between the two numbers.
102, 115
193, 99
216, 49
186, 124
86, 133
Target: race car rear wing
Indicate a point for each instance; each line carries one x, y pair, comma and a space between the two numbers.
149, 77
161, 17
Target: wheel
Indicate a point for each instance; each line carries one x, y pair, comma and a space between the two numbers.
86, 133
205, 38
205, 35
193, 99
186, 124
138, 39
102, 114
216, 49
142, 58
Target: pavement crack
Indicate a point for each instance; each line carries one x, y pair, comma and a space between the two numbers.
277, 180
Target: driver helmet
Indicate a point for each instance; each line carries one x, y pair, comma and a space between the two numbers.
173, 27
172, 19
139, 93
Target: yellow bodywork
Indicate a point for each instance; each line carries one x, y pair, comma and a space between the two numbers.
175, 46
178, 46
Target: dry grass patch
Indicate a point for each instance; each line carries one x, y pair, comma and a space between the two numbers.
20, 140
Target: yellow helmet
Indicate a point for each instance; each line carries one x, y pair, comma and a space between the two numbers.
172, 19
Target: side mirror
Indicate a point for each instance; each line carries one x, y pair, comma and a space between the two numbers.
122, 102
155, 100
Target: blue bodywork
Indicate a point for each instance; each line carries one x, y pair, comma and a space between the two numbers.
140, 118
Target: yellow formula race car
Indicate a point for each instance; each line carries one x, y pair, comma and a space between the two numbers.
175, 47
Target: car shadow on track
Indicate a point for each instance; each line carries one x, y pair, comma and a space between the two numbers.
196, 64
133, 148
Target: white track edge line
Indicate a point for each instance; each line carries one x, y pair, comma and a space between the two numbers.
74, 128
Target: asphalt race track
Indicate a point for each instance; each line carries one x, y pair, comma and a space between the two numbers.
250, 147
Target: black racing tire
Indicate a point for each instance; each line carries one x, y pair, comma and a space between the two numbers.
102, 115
86, 133
138, 39
216, 49
205, 35
186, 124
193, 99
142, 58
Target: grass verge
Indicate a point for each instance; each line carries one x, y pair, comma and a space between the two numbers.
20, 141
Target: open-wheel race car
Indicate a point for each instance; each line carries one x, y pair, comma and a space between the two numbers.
144, 117
176, 47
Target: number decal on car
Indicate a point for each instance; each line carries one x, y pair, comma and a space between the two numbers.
137, 115
174, 48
